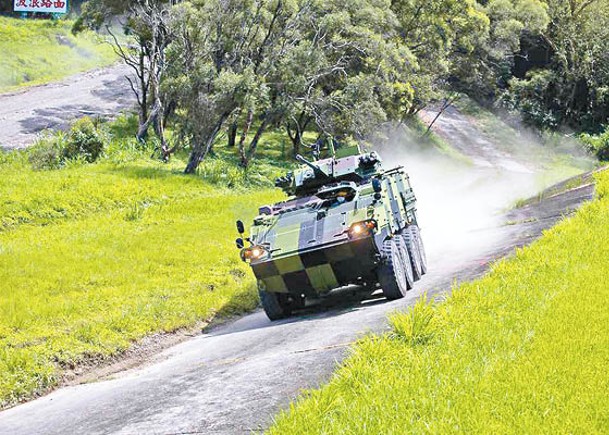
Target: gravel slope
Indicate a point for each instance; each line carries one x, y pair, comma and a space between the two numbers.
26, 113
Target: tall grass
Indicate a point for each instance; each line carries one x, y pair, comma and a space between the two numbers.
96, 256
38, 51
523, 350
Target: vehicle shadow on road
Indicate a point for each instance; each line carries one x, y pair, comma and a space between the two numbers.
337, 302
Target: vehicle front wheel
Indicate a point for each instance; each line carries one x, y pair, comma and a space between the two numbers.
275, 305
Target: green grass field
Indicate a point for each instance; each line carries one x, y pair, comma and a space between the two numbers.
523, 350
94, 257
39, 51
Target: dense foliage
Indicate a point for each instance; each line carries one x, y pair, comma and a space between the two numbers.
215, 67
570, 82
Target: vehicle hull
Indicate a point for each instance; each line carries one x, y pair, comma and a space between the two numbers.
318, 270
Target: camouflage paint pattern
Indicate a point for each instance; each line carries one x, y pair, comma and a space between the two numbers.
309, 249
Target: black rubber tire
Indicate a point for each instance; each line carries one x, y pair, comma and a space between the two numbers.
274, 304
409, 273
421, 247
410, 238
395, 274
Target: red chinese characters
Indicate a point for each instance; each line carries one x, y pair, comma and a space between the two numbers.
56, 6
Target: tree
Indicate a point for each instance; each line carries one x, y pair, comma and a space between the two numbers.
225, 52
336, 65
573, 87
148, 24
350, 72
443, 36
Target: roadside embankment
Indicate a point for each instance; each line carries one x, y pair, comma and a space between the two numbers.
95, 257
521, 350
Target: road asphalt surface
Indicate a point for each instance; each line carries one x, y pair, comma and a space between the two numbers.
235, 377
26, 113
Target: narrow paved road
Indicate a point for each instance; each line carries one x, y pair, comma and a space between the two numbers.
24, 114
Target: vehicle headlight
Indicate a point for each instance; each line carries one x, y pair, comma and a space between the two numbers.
253, 253
362, 229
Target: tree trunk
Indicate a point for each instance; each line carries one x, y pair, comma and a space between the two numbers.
155, 119
196, 157
203, 147
296, 143
232, 134
445, 105
254, 144
246, 128
142, 132
295, 138
169, 111
159, 130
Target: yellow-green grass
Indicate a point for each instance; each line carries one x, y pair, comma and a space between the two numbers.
31, 197
94, 257
39, 51
523, 350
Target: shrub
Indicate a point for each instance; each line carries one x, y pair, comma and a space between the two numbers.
599, 145
220, 172
85, 140
46, 153
84, 143
125, 126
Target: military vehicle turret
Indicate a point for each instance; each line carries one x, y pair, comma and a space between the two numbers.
346, 221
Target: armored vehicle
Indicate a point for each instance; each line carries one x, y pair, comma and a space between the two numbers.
347, 221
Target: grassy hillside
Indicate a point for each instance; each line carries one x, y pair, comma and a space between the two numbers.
38, 51
96, 256
523, 350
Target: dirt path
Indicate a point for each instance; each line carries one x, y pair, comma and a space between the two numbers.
26, 113
236, 377
463, 135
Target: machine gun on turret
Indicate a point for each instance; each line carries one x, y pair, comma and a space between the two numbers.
317, 171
